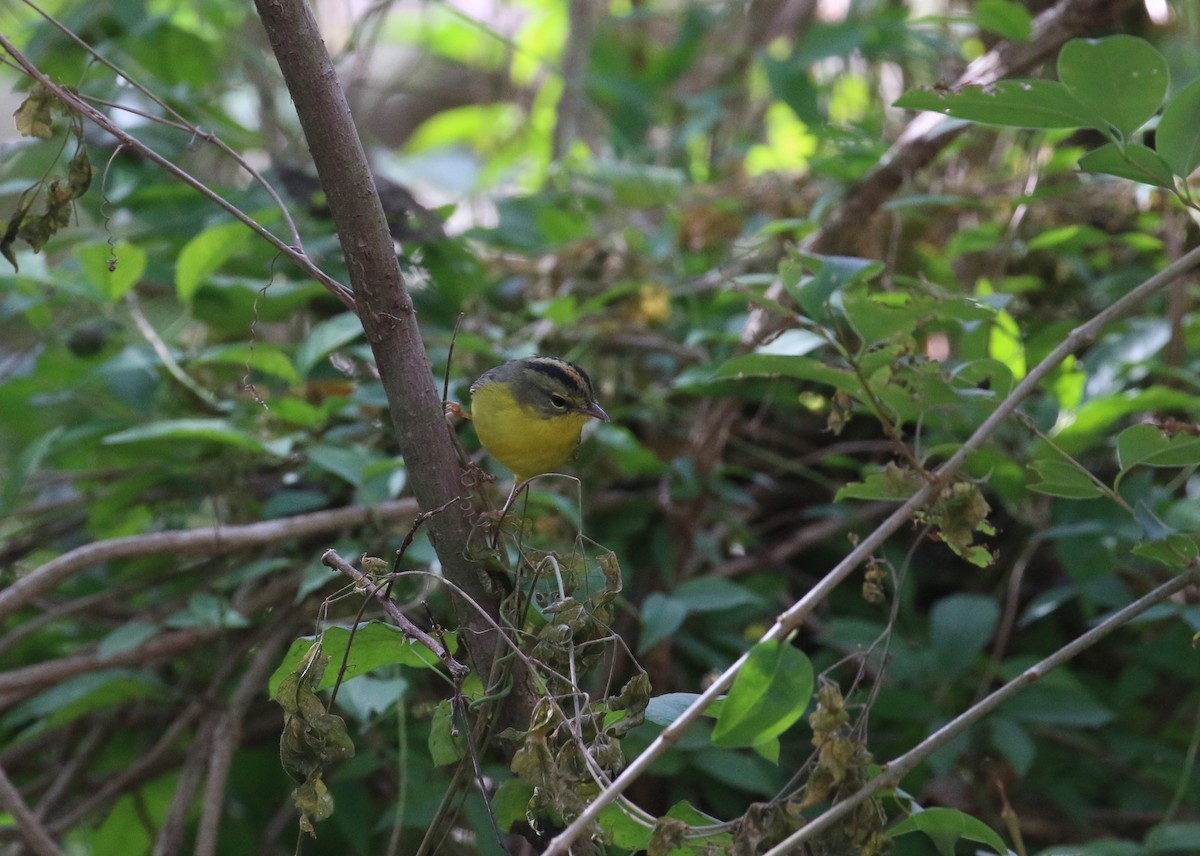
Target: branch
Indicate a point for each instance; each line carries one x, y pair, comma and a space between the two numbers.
895, 770
227, 734
32, 831
217, 541
388, 318
1079, 338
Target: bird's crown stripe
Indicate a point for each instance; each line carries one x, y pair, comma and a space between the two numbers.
568, 373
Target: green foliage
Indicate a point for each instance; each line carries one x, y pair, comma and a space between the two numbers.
791, 344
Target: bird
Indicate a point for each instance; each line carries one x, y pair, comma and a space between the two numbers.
529, 413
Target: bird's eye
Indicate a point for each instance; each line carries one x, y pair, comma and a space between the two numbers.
557, 400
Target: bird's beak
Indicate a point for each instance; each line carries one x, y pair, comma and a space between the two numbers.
595, 411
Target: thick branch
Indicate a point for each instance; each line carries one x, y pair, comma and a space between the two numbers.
385, 307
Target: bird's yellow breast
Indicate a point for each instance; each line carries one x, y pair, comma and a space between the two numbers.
527, 442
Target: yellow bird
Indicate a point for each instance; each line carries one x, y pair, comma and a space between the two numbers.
529, 413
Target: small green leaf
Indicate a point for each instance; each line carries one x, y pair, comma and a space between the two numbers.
325, 338
892, 483
207, 430
204, 255
1132, 161
259, 357
1176, 550
666, 708
662, 615
1009, 103
112, 271
713, 594
1178, 136
1121, 78
831, 274
768, 695
1147, 445
799, 368
959, 627
1004, 18
511, 802
945, 826
1181, 837
375, 644
446, 743
1058, 478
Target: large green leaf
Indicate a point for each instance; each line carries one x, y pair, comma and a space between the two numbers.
1123, 79
112, 270
1132, 160
204, 255
768, 695
1178, 136
1149, 446
1011, 103
374, 645
945, 826
959, 626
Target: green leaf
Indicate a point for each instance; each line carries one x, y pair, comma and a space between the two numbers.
666, 708
892, 483
208, 430
1056, 698
1182, 837
447, 744
1132, 161
1123, 79
713, 594
27, 462
325, 338
662, 615
511, 802
259, 357
1004, 18
830, 275
112, 271
1147, 445
1009, 103
1176, 550
375, 644
1178, 136
348, 463
800, 368
945, 826
85, 694
204, 255
770, 692
1058, 478
959, 627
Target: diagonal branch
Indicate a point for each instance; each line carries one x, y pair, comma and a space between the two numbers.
898, 768
389, 320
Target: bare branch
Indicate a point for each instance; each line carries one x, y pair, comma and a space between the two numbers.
35, 835
217, 541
